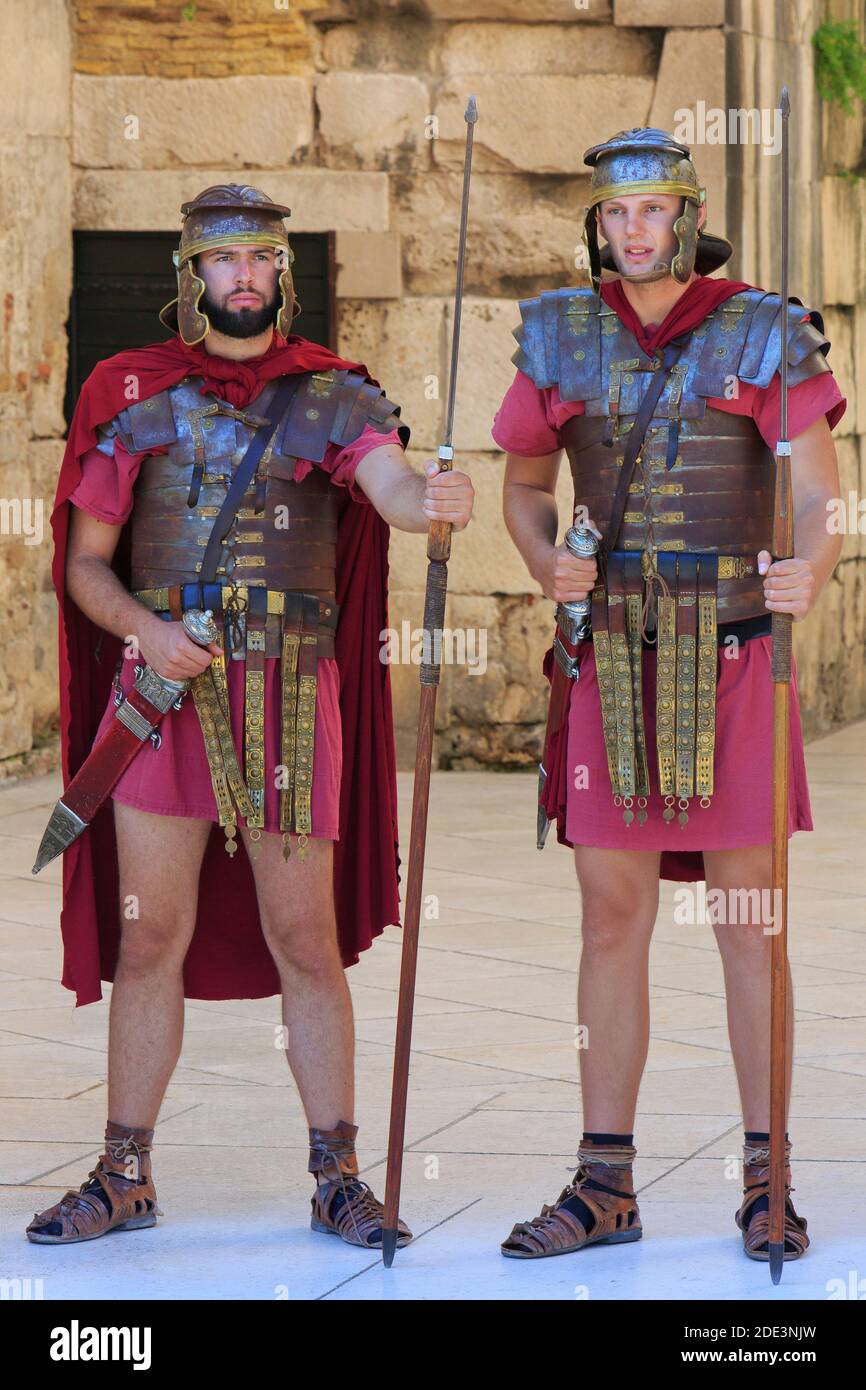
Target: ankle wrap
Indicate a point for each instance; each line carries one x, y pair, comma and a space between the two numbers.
757, 1154
611, 1155
332, 1151
126, 1147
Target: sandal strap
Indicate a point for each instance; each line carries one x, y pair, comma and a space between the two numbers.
556, 1228
359, 1215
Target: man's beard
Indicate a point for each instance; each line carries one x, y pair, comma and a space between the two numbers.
244, 322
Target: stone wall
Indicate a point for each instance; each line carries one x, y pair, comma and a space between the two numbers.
35, 221
352, 113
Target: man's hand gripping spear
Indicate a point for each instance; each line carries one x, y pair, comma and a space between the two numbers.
438, 552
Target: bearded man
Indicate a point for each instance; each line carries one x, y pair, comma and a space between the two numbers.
287, 741
663, 388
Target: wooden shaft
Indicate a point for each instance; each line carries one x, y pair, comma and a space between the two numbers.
779, 959
411, 921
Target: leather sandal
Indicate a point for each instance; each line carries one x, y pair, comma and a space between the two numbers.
755, 1225
123, 1175
603, 1183
343, 1205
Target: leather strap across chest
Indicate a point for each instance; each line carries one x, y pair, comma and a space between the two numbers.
280, 402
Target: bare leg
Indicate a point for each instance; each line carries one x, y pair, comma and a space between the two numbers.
296, 906
745, 952
159, 860
620, 893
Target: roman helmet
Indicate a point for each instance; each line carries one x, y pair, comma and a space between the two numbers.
225, 215
646, 160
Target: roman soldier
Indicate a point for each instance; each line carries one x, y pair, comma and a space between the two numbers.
221, 541
663, 388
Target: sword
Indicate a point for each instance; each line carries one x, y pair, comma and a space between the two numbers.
135, 722
573, 618
438, 552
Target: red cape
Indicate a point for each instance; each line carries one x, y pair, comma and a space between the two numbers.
702, 296
228, 957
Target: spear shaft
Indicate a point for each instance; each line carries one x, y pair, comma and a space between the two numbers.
438, 552
783, 548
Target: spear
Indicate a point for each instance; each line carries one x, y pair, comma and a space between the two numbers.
783, 548
438, 552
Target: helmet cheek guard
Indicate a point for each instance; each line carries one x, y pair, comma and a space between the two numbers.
686, 232
193, 324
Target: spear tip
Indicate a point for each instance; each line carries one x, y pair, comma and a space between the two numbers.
389, 1246
471, 112
784, 103
776, 1258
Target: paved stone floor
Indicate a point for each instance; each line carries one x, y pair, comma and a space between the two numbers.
495, 1110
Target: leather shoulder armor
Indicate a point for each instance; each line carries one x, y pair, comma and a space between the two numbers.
148, 424
560, 341
762, 352
333, 408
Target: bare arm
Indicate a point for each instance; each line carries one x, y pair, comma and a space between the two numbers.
93, 585
792, 586
529, 509
410, 500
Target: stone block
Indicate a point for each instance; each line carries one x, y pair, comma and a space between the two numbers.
843, 215
848, 455
16, 650
523, 232
842, 135
783, 23
403, 344
35, 39
45, 676
368, 265
839, 328
495, 718
857, 401
546, 50
486, 369
527, 11
670, 14
150, 200
387, 41
538, 124
156, 123
374, 120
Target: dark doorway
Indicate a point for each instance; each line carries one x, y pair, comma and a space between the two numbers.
121, 280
